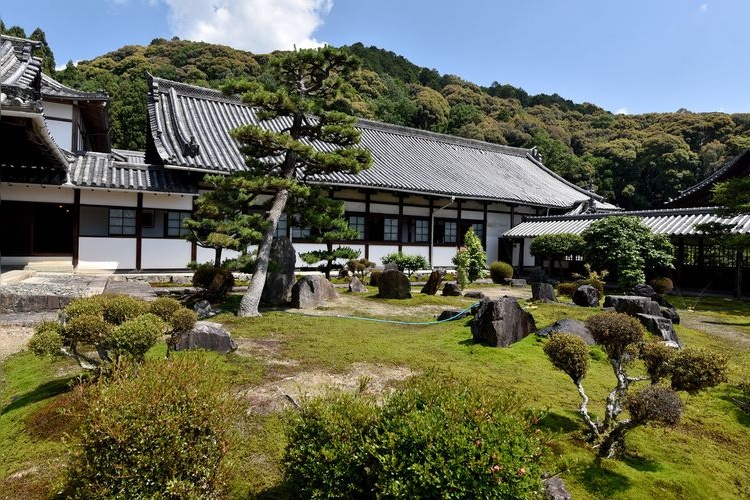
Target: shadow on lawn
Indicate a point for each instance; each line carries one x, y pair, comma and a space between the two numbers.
601, 482
40, 393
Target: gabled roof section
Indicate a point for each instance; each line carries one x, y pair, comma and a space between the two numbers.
99, 170
53, 89
672, 222
189, 128
700, 193
20, 73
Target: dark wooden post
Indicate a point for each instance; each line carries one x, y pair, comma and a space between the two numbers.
76, 225
138, 231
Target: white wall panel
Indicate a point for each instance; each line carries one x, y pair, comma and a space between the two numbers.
443, 256
165, 253
22, 192
169, 202
108, 198
417, 211
380, 208
58, 110
106, 253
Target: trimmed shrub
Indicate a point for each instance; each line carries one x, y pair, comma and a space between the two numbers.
87, 329
360, 267
132, 448
86, 306
500, 271
121, 308
47, 339
164, 307
662, 285
134, 337
374, 275
407, 263
568, 353
183, 320
655, 404
743, 402
615, 332
433, 438
696, 369
657, 356
214, 282
566, 289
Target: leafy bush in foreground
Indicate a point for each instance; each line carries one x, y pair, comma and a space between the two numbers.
160, 430
434, 438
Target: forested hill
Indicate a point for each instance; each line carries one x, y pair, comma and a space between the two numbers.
635, 161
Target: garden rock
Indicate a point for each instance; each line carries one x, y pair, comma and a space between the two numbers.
451, 290
659, 326
632, 305
586, 296
555, 489
452, 314
543, 291
393, 284
644, 290
390, 267
569, 325
671, 314
312, 291
433, 282
475, 294
515, 282
356, 286
207, 335
502, 322
204, 309
280, 277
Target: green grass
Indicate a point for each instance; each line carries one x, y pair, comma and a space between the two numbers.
705, 456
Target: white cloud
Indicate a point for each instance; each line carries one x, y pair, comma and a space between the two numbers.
622, 111
259, 26
703, 7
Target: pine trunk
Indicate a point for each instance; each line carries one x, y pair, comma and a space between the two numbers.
251, 299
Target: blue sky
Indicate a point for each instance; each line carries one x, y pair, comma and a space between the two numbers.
632, 56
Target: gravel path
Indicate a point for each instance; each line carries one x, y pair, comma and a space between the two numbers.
17, 329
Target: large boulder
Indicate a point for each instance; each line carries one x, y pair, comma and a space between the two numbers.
356, 286
393, 284
569, 325
586, 296
632, 305
312, 291
433, 282
280, 277
451, 290
474, 294
659, 326
502, 322
644, 290
207, 335
543, 291
671, 314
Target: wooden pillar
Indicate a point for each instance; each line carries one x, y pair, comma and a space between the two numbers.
485, 206
367, 225
680, 260
430, 230
459, 232
138, 231
512, 215
76, 225
520, 255
400, 221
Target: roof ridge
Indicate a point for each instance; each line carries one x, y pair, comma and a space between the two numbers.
708, 179
196, 90
54, 83
639, 213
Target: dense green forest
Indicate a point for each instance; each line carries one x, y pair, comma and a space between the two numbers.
635, 161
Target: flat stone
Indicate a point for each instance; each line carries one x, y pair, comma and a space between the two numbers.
207, 335
632, 305
568, 325
452, 314
451, 290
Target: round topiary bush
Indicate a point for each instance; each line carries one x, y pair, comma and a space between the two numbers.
500, 271
695, 369
47, 339
121, 308
183, 320
130, 447
87, 329
657, 356
164, 307
567, 289
374, 275
568, 353
88, 306
615, 332
134, 337
662, 285
655, 404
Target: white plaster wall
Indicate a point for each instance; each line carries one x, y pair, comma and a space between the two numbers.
471, 215
528, 259
378, 251
447, 213
442, 256
22, 192
106, 253
165, 253
379, 208
173, 202
309, 247
58, 110
354, 206
62, 133
108, 198
204, 255
417, 211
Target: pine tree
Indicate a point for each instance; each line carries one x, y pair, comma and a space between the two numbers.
307, 82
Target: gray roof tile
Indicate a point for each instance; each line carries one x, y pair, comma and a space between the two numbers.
404, 159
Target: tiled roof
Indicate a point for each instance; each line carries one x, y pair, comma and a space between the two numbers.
733, 167
99, 170
404, 159
51, 88
672, 222
19, 70
129, 156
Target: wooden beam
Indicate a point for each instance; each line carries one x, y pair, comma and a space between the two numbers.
76, 225
138, 231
